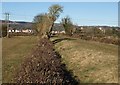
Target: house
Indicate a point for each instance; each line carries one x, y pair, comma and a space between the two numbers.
27, 30
55, 32
100, 28
81, 28
11, 30
58, 32
18, 31
62, 32
58, 29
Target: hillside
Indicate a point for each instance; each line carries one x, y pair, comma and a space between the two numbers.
57, 26
18, 24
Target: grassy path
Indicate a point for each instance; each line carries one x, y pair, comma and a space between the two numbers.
91, 62
13, 53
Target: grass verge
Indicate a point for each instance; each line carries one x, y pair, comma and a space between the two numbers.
90, 62
14, 51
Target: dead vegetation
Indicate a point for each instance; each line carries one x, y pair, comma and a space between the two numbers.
108, 40
44, 66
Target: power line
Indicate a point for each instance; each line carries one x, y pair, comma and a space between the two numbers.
7, 22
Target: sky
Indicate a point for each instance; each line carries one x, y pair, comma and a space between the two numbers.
81, 13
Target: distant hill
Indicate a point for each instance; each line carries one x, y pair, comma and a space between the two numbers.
57, 26
18, 24
22, 25
15, 22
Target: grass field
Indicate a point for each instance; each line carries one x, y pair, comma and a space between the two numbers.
90, 62
13, 53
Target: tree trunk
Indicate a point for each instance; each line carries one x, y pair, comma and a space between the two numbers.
8, 36
51, 28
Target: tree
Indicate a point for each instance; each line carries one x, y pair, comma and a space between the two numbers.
45, 22
34, 28
42, 23
54, 13
68, 25
4, 30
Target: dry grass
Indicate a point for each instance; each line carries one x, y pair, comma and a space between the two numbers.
91, 62
13, 53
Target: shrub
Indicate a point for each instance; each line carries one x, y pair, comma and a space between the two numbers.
4, 30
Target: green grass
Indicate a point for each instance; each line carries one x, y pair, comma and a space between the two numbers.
91, 62
14, 50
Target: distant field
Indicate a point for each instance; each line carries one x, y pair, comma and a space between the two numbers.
91, 62
13, 53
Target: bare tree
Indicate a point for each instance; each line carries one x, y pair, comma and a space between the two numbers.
54, 13
41, 22
45, 22
68, 25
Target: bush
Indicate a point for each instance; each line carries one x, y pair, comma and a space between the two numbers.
4, 30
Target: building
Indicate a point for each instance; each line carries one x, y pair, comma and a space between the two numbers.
58, 32
27, 30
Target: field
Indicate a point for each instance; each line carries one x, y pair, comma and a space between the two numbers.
13, 53
89, 61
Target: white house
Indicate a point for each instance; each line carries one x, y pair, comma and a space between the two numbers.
81, 28
18, 31
11, 30
63, 32
57, 32
100, 28
27, 30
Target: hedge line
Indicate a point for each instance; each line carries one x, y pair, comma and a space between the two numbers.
44, 66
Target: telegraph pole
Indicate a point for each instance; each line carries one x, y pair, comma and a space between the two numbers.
7, 22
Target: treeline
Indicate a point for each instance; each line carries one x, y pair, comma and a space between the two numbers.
3, 30
104, 34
